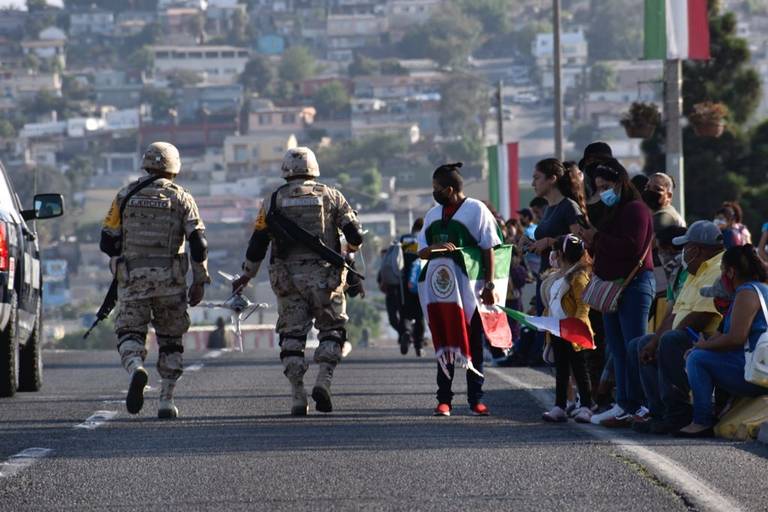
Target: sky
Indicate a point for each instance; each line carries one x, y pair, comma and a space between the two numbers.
23, 3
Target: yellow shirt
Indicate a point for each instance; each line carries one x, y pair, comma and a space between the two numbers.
691, 301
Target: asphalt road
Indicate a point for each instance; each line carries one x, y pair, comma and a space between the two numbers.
236, 448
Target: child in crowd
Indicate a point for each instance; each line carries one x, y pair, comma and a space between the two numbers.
562, 293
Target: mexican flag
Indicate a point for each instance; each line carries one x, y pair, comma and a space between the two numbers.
449, 291
569, 329
676, 29
503, 178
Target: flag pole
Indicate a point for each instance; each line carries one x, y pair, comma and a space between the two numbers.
558, 77
673, 91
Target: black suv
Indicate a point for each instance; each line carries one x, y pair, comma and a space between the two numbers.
21, 289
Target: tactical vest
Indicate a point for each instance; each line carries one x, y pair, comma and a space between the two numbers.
304, 202
152, 226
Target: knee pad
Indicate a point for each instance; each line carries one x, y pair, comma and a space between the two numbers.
329, 351
292, 344
294, 366
135, 340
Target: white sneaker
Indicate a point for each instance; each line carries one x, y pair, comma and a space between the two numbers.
613, 412
555, 415
642, 414
582, 415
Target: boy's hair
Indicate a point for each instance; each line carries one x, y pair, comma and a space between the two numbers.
448, 175
538, 202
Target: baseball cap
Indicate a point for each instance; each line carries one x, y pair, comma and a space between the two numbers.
703, 232
596, 149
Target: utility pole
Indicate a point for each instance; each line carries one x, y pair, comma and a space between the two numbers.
673, 99
558, 76
500, 111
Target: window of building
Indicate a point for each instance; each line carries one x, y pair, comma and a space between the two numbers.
211, 55
241, 153
162, 55
242, 54
289, 118
227, 55
195, 55
265, 119
179, 55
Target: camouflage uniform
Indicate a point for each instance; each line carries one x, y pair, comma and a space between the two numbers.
151, 272
308, 289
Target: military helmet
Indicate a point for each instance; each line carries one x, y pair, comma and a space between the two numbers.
161, 156
299, 162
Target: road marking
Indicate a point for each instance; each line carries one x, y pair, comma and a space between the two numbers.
96, 420
213, 354
704, 495
21, 460
194, 368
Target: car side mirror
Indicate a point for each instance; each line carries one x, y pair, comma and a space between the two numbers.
47, 206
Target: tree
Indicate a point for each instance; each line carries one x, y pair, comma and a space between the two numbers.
141, 59
448, 38
371, 182
492, 14
7, 130
297, 64
602, 77
464, 103
362, 66
331, 99
615, 29
257, 74
718, 169
35, 6
160, 100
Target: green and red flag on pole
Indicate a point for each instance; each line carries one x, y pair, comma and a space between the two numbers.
449, 291
569, 329
504, 178
676, 30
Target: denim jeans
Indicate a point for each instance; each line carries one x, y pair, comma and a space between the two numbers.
672, 380
707, 368
643, 379
626, 324
474, 381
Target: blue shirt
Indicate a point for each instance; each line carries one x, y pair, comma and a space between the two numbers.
759, 324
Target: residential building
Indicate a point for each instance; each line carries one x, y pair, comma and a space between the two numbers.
574, 49
346, 33
404, 14
22, 85
181, 26
91, 21
221, 16
190, 137
121, 89
398, 86
381, 225
256, 152
12, 22
220, 64
209, 99
47, 51
265, 117
120, 163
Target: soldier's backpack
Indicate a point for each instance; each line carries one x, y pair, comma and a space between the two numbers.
392, 265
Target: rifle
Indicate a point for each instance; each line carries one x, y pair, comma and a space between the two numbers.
110, 300
286, 230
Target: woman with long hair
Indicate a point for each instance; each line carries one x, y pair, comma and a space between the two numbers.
622, 241
719, 360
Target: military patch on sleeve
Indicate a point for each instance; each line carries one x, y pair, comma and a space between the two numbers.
261, 220
301, 201
112, 220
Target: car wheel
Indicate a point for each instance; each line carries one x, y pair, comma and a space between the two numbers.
9, 353
31, 358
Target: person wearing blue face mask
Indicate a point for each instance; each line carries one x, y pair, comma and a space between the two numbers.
623, 239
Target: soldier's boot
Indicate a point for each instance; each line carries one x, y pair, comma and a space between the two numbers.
321, 393
166, 408
327, 356
299, 405
134, 400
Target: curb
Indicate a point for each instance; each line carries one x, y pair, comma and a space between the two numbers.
762, 436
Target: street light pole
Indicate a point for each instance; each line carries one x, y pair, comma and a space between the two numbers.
673, 98
500, 111
558, 76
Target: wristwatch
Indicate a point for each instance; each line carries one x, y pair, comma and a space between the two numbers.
489, 285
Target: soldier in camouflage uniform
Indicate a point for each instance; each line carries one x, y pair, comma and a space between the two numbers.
307, 287
146, 245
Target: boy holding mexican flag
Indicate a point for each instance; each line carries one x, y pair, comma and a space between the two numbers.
458, 287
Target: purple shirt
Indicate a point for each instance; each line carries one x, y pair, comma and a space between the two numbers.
621, 241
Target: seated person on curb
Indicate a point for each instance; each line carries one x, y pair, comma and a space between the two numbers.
720, 359
657, 366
